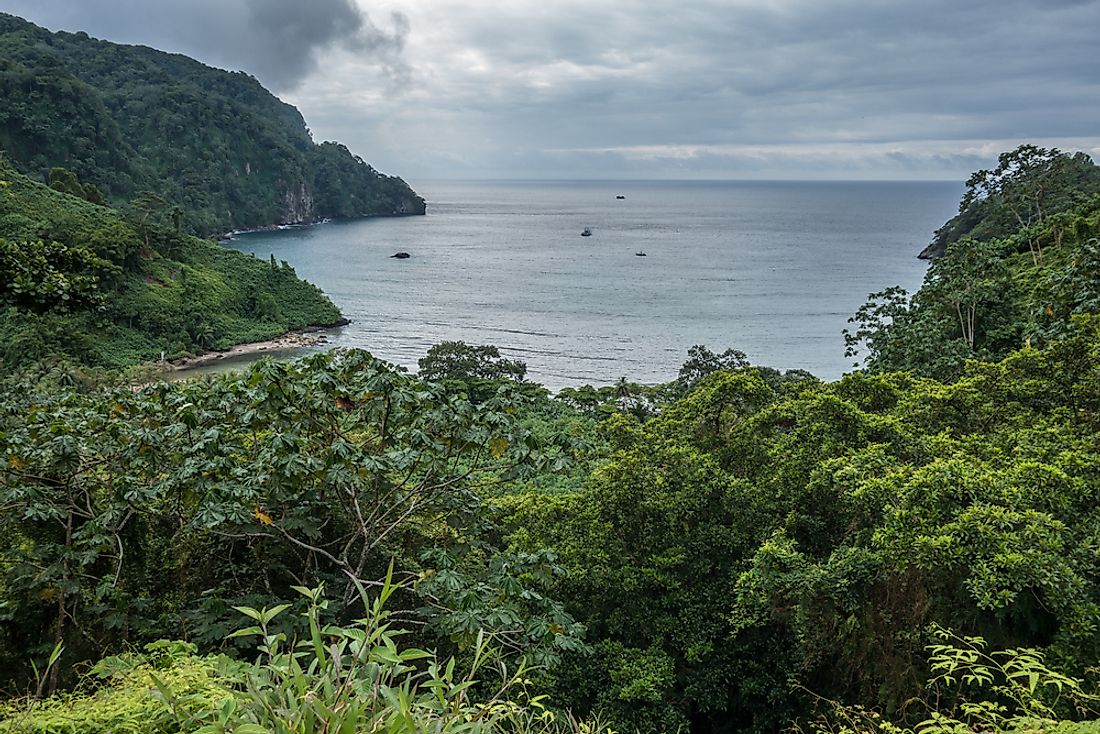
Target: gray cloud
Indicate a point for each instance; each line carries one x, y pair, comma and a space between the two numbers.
636, 88
284, 38
279, 41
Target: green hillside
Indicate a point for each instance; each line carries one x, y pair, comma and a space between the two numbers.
1021, 262
216, 143
1028, 185
107, 291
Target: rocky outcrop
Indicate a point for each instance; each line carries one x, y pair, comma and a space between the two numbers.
411, 206
931, 251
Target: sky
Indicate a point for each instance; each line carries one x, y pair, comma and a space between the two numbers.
624, 89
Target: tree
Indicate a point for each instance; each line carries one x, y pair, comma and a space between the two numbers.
702, 361
150, 212
64, 180
968, 275
876, 320
93, 194
457, 360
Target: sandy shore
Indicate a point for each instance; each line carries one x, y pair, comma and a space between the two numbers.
301, 338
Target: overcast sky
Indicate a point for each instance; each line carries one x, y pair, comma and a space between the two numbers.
648, 89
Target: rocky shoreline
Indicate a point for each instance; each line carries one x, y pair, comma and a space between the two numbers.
232, 234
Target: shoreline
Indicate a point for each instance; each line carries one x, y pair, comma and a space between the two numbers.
309, 336
227, 236
232, 234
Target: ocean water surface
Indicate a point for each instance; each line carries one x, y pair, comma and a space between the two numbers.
772, 268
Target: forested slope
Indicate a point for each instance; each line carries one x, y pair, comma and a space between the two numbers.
1022, 261
215, 143
84, 285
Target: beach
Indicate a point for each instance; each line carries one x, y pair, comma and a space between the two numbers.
296, 339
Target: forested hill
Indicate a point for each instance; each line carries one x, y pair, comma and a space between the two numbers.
1018, 267
1028, 185
82, 284
215, 143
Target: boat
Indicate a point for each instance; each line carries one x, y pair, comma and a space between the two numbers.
586, 232
401, 255
639, 253
620, 196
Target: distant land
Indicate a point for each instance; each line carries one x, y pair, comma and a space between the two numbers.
216, 144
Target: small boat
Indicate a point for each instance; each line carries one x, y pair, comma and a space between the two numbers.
620, 196
401, 255
639, 253
586, 232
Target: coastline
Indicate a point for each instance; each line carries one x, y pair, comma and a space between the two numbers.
308, 336
232, 234
269, 228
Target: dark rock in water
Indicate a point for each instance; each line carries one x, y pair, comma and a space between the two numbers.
401, 255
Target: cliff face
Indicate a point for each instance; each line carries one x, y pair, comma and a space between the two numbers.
298, 205
131, 119
411, 206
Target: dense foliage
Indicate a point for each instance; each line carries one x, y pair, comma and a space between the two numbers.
913, 549
126, 119
322, 678
130, 515
1028, 186
749, 537
1026, 262
84, 284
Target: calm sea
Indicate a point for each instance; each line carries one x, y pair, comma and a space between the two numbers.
774, 269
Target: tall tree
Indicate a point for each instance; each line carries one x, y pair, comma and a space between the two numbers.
1023, 182
966, 277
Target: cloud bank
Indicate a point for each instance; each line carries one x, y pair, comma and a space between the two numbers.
697, 88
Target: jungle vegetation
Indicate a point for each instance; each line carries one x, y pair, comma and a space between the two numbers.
334, 542
85, 285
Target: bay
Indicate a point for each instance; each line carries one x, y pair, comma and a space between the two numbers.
771, 268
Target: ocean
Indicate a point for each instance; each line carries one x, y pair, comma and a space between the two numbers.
774, 269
